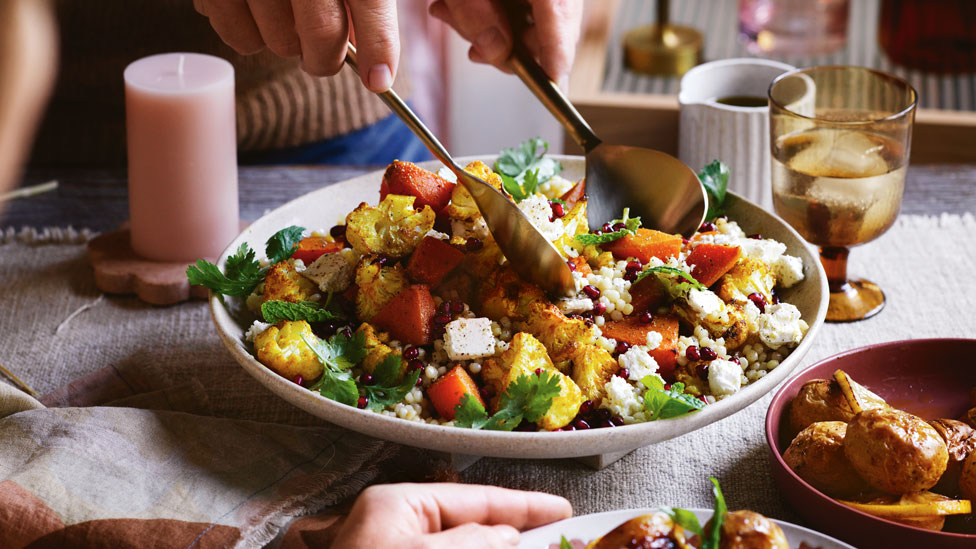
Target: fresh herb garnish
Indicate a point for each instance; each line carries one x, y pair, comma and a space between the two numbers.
564, 543
684, 280
529, 156
631, 226
523, 190
338, 354
527, 398
686, 519
242, 272
711, 538
661, 403
559, 201
715, 178
385, 390
309, 311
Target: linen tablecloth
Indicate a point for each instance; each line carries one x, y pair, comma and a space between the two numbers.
924, 264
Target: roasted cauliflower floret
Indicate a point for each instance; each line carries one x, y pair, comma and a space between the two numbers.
746, 277
504, 294
592, 368
284, 283
721, 319
462, 206
393, 228
376, 349
557, 331
574, 223
281, 348
377, 285
524, 356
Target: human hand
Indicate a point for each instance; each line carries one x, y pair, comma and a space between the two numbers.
551, 38
445, 516
315, 30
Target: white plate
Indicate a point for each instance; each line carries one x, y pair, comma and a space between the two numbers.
325, 207
589, 527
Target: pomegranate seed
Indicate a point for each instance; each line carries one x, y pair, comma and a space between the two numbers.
339, 231
603, 414
692, 353
759, 301
457, 307
706, 227
685, 241
486, 392
599, 308
598, 232
444, 308
473, 244
420, 382
646, 317
361, 403
707, 354
442, 319
703, 399
581, 424
631, 276
619, 226
591, 291
367, 379
586, 407
411, 352
571, 265
667, 386
622, 347
755, 236
538, 371
634, 266
298, 379
606, 424
557, 209
623, 373
414, 365
345, 332
617, 421
551, 219
702, 370
607, 228
775, 298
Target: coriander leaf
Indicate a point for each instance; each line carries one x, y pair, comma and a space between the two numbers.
339, 352
564, 543
338, 386
243, 273
686, 519
388, 371
470, 413
513, 188
528, 156
310, 311
557, 201
631, 224
504, 420
676, 286
531, 182
715, 178
379, 397
282, 244
661, 403
711, 538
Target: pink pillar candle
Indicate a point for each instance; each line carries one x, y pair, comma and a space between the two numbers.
182, 147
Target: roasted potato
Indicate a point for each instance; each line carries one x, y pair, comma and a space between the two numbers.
817, 456
894, 451
284, 283
644, 531
393, 228
818, 400
960, 441
750, 530
967, 477
281, 348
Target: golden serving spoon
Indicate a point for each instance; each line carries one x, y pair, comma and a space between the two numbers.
530, 253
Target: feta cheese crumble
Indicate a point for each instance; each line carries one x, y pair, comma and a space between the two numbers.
331, 272
781, 325
537, 209
467, 338
255, 329
724, 377
639, 364
705, 303
654, 340
622, 398
575, 305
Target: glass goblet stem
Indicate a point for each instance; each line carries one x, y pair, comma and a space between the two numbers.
834, 260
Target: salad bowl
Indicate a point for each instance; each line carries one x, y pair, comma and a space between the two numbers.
325, 207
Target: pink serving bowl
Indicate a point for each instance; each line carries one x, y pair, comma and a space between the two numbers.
931, 378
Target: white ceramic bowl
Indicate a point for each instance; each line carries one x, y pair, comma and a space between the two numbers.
324, 207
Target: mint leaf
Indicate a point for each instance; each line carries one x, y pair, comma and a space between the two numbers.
275, 311
683, 282
528, 156
711, 538
564, 543
715, 178
661, 403
283, 243
685, 518
513, 188
470, 413
631, 226
243, 273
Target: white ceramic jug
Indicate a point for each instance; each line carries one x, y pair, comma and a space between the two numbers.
736, 135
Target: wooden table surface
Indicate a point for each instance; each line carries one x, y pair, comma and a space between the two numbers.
97, 199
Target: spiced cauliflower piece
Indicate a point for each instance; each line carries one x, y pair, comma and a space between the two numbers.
574, 223
377, 284
524, 356
376, 349
505, 295
557, 331
747, 276
592, 368
393, 228
462, 206
284, 283
281, 348
721, 319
